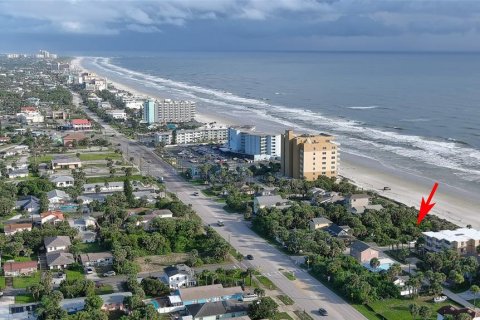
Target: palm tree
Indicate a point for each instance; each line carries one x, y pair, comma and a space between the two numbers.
413, 308
374, 263
259, 292
249, 272
475, 290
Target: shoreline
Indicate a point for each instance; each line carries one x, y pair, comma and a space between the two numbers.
456, 205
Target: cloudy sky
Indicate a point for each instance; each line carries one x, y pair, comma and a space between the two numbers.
72, 26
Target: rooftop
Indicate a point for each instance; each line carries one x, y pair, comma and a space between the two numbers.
16, 266
205, 292
270, 200
59, 241
459, 235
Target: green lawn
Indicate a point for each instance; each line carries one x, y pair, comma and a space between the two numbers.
41, 159
24, 282
2, 282
74, 275
90, 247
104, 289
18, 259
397, 309
99, 156
289, 275
303, 315
285, 299
24, 298
282, 316
266, 282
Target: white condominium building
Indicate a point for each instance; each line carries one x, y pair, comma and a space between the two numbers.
201, 135
174, 111
258, 145
462, 240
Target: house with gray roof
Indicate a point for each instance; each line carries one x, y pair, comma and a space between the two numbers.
66, 163
62, 181
338, 231
274, 201
362, 252
179, 276
57, 196
216, 310
30, 204
96, 259
319, 223
59, 260
58, 243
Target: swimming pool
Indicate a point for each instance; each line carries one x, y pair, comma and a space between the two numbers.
155, 303
385, 264
68, 207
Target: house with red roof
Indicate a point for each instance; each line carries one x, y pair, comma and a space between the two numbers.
12, 228
52, 217
70, 139
15, 269
81, 124
28, 109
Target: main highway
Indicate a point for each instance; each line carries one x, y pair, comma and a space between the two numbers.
307, 292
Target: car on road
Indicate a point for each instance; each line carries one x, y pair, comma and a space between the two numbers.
249, 257
220, 223
386, 188
89, 270
322, 312
196, 194
109, 274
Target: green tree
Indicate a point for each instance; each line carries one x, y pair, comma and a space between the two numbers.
49, 307
264, 308
93, 302
414, 310
424, 312
475, 290
374, 263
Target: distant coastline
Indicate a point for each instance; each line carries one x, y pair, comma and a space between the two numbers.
456, 205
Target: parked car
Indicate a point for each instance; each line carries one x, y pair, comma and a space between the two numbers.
322, 312
220, 223
196, 194
386, 188
109, 274
89, 270
440, 299
249, 257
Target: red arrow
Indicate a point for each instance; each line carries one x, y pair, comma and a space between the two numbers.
425, 207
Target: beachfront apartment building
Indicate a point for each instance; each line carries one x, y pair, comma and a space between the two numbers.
117, 114
175, 111
202, 135
165, 137
149, 111
309, 156
462, 240
257, 145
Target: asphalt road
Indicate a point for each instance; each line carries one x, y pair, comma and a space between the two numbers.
307, 292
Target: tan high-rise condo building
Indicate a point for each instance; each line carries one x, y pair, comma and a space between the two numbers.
309, 156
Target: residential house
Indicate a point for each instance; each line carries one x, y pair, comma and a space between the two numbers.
72, 139
147, 219
117, 114
179, 276
360, 210
204, 294
275, 201
147, 195
58, 243
62, 181
362, 252
65, 163
216, 310
51, 217
357, 200
29, 204
455, 312
462, 240
81, 124
19, 173
57, 196
327, 197
111, 302
83, 224
319, 223
15, 269
104, 187
4, 140
12, 228
96, 259
401, 283
339, 231
59, 260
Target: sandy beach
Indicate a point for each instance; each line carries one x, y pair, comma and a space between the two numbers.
456, 205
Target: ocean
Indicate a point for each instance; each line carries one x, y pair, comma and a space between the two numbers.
415, 112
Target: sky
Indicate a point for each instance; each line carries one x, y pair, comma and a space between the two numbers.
84, 26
